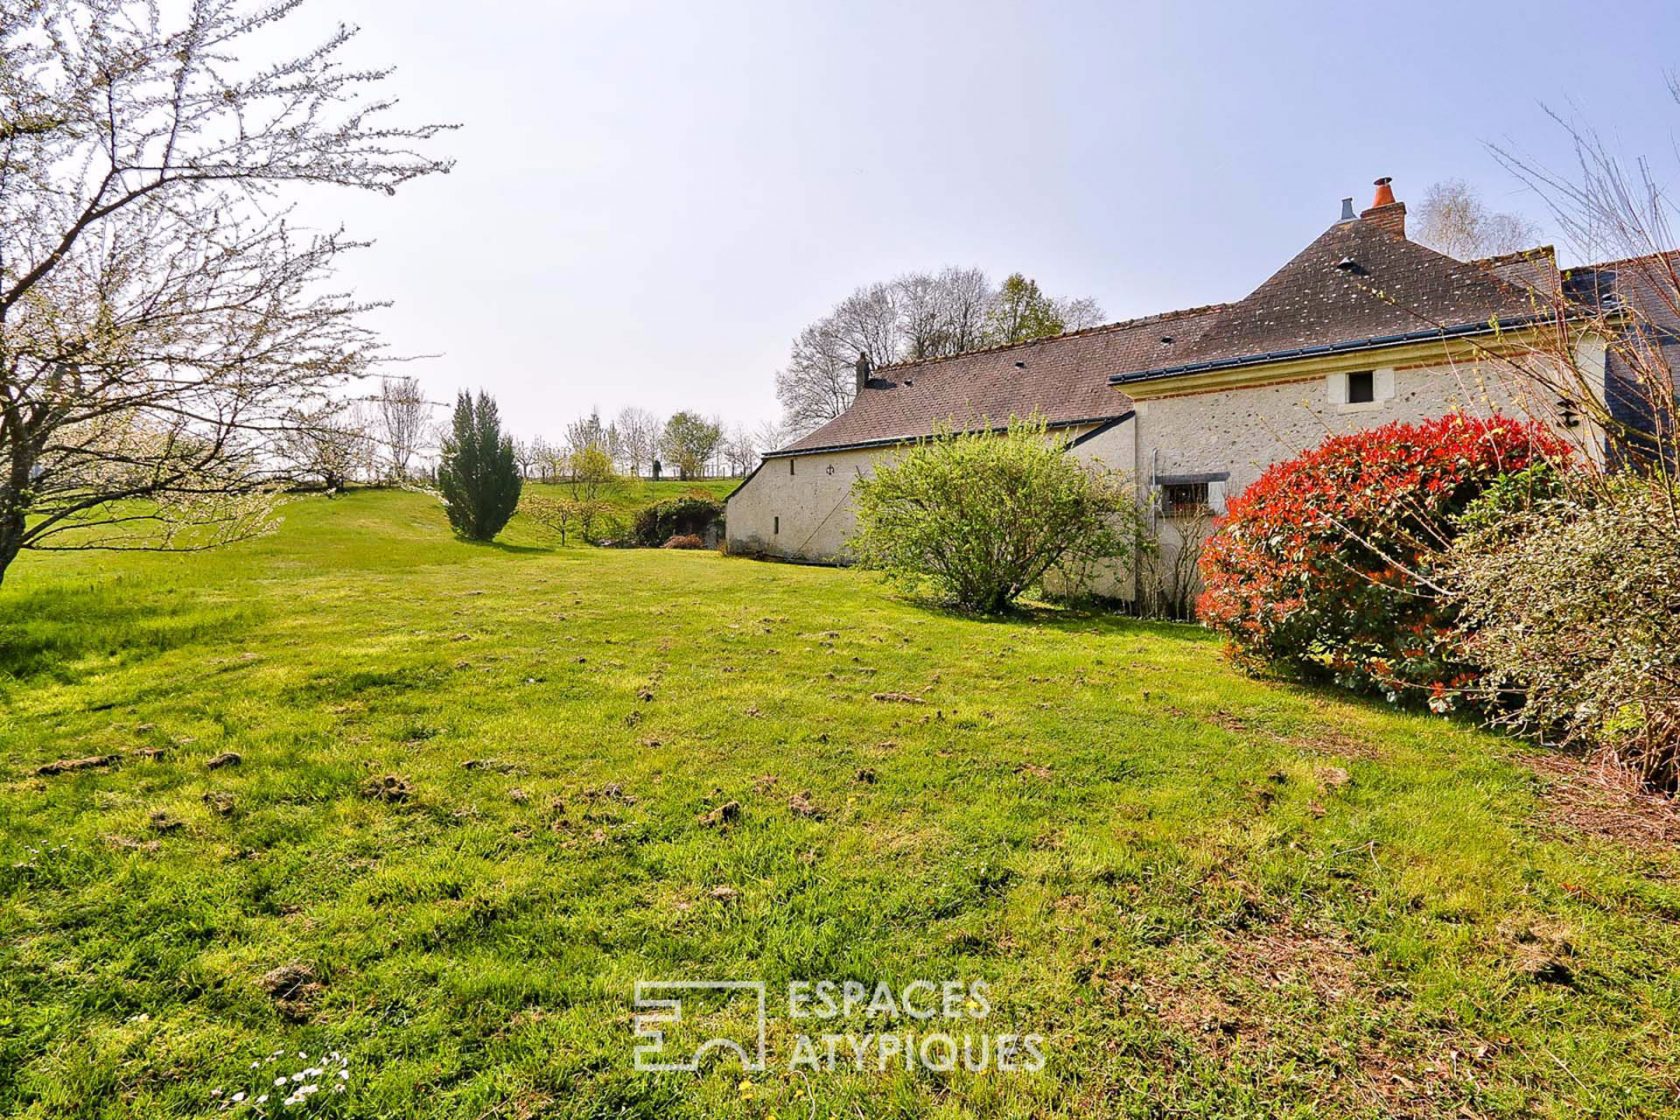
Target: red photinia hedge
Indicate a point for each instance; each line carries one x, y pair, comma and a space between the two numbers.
1323, 564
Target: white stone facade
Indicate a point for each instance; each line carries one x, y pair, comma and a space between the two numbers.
798, 507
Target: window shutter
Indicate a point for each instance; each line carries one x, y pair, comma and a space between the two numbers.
1216, 498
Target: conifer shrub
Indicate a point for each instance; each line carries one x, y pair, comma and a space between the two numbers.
478, 474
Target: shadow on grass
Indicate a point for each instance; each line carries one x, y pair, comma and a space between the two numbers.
50, 632
512, 549
1073, 617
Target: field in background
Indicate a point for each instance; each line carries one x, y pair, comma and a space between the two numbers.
626, 498
471, 811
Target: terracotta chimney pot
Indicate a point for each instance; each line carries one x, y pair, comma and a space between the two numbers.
1385, 213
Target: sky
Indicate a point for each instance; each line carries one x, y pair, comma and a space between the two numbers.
651, 199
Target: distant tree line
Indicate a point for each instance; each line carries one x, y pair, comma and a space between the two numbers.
685, 445
393, 437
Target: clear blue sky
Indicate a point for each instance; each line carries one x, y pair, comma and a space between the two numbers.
650, 200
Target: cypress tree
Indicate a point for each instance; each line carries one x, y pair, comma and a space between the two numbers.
478, 476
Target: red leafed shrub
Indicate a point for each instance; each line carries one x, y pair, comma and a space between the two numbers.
1323, 566
685, 540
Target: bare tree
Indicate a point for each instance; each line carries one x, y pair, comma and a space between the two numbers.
638, 439
819, 380
401, 410
1629, 301
769, 436
526, 454
941, 313
917, 316
543, 457
586, 432
740, 450
160, 319
1452, 219
1078, 314
329, 447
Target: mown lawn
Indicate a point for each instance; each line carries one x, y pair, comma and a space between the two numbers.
1212, 896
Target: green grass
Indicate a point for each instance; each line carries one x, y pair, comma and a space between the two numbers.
626, 498
1212, 896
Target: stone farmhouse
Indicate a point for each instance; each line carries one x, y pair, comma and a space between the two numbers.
1361, 328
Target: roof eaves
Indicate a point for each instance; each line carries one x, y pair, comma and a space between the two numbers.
1380, 342
889, 441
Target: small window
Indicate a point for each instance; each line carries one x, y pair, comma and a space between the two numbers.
1362, 387
775, 525
790, 466
1184, 499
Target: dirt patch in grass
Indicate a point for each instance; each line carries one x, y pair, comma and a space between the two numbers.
388, 787
726, 814
1210, 1004
802, 806
1280, 992
1581, 797
293, 988
1326, 740
71, 765
1323, 740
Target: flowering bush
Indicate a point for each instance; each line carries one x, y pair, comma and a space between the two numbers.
1325, 565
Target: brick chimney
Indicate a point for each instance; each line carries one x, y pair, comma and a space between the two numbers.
864, 369
1385, 213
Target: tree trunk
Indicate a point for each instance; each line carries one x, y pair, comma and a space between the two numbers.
11, 529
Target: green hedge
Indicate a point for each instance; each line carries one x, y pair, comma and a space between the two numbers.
677, 517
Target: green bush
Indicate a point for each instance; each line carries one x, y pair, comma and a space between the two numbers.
688, 516
1571, 605
981, 518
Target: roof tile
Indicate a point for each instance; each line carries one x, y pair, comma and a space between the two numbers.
1065, 378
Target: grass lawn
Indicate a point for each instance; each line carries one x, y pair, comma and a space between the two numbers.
1212, 896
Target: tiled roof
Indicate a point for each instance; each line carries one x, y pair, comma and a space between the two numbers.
1648, 286
1535, 269
1065, 378
1356, 285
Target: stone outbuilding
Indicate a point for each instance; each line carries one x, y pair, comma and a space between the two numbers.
1361, 328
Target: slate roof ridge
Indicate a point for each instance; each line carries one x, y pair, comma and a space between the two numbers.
1083, 332
1672, 255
